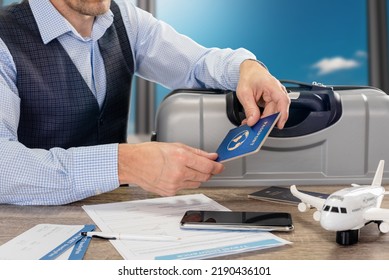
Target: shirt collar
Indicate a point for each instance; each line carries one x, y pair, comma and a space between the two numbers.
52, 24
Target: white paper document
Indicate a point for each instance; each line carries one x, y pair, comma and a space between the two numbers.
43, 241
161, 216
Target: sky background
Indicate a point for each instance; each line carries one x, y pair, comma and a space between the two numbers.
305, 40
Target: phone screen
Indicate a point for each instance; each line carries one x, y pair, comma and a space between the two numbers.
270, 221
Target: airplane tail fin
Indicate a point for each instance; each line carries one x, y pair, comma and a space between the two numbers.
377, 181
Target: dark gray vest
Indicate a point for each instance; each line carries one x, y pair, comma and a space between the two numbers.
57, 107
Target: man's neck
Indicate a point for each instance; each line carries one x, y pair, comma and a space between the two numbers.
82, 23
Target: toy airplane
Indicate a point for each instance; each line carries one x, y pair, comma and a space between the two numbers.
349, 209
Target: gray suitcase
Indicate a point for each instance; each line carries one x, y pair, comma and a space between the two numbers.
334, 135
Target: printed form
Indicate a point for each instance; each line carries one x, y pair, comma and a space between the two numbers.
49, 242
162, 216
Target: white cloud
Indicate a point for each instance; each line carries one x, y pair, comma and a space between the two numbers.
361, 54
330, 65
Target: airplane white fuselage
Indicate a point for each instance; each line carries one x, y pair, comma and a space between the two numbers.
344, 209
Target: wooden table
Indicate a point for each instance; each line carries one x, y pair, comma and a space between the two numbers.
310, 241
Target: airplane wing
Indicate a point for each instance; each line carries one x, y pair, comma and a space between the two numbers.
314, 201
376, 214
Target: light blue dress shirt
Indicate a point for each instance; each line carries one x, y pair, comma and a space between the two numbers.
59, 176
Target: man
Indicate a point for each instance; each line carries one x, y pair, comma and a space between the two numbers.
65, 74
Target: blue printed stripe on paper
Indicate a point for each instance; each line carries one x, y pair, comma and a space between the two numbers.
67, 244
201, 254
80, 248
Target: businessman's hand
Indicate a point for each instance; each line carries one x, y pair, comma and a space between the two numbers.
257, 87
165, 168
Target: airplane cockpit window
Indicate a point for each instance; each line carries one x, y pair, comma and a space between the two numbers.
335, 209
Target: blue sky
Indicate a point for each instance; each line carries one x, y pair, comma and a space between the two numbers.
306, 40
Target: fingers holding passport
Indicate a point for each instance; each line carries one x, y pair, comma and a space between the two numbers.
165, 168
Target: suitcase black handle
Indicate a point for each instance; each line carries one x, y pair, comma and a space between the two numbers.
313, 107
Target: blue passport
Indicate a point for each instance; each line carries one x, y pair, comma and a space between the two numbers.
245, 140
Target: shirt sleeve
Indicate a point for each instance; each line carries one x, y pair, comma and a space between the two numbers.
174, 60
46, 177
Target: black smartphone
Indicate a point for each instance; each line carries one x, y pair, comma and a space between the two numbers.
233, 220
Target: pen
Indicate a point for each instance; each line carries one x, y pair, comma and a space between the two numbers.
126, 236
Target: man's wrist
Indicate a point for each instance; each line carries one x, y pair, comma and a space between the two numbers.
255, 61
